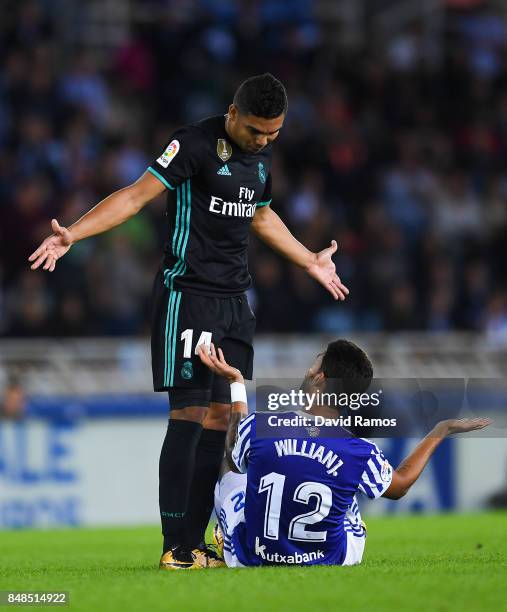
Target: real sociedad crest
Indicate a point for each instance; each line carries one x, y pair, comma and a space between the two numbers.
385, 472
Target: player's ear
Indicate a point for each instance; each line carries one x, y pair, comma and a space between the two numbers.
233, 112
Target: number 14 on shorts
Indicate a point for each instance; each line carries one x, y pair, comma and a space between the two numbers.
187, 337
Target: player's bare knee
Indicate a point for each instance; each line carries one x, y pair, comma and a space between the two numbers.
218, 424
188, 404
196, 414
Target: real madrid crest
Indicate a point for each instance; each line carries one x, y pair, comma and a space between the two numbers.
262, 173
187, 370
224, 149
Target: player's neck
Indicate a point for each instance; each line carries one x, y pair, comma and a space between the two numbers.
228, 130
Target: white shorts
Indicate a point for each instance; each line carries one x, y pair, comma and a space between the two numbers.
356, 534
230, 511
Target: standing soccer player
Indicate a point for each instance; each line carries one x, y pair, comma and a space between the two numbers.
218, 176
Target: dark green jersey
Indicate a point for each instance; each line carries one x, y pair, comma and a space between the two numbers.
214, 189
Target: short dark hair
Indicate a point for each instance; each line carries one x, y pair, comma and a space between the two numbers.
262, 96
347, 366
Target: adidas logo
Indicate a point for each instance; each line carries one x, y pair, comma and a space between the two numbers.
224, 171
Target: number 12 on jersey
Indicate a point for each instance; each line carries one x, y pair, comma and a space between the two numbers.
273, 484
187, 336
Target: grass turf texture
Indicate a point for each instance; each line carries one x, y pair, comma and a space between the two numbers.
411, 563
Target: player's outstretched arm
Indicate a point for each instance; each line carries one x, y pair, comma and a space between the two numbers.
273, 231
239, 408
110, 212
411, 468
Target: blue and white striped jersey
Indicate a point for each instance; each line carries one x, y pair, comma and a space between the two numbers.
300, 495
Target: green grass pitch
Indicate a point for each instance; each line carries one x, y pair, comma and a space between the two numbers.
430, 563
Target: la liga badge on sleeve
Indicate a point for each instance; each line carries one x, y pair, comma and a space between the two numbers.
169, 154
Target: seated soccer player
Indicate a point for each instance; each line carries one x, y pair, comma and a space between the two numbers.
293, 501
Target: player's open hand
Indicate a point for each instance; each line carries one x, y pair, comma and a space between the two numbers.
323, 270
217, 364
456, 426
54, 247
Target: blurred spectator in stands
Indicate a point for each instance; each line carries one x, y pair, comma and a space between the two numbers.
495, 321
3, 309
24, 222
306, 202
275, 308
456, 211
29, 305
135, 64
12, 400
70, 317
439, 317
385, 264
77, 152
34, 153
408, 189
494, 208
32, 24
84, 86
402, 311
130, 161
474, 295
485, 39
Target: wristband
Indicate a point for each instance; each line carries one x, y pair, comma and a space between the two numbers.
238, 392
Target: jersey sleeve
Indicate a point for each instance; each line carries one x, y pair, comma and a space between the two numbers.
181, 157
377, 474
266, 196
241, 449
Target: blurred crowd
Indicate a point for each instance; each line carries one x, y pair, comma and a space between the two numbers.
397, 149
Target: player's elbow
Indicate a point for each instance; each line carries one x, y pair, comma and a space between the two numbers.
129, 199
260, 221
398, 488
136, 200
395, 494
